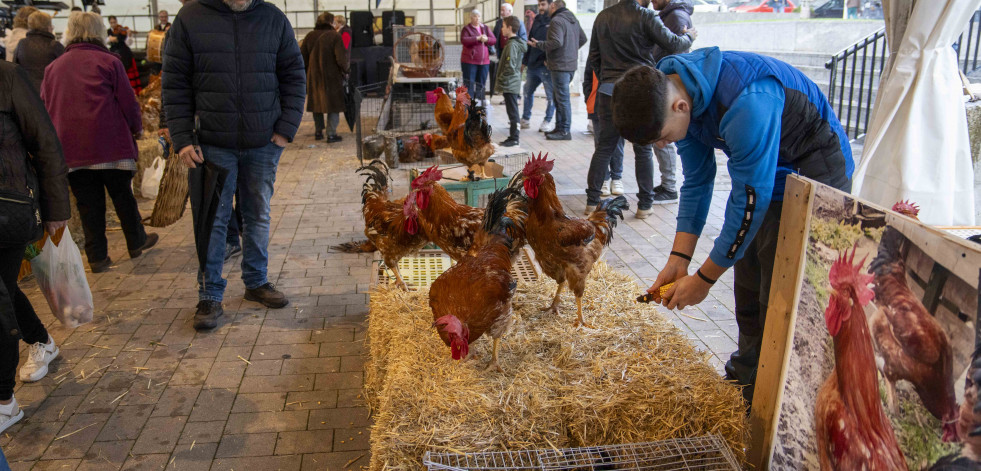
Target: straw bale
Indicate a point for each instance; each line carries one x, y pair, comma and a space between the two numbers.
634, 378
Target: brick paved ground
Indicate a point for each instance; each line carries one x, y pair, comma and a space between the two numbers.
270, 389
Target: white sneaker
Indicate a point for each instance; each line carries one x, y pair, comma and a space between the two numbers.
589, 128
38, 356
643, 213
547, 126
617, 187
589, 210
10, 414
605, 189
525, 124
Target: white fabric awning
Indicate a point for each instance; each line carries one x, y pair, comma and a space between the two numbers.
917, 146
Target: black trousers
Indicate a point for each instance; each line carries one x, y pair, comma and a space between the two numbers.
13, 301
89, 188
752, 275
514, 116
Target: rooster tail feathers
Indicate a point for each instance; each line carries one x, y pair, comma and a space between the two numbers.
890, 251
608, 211
377, 172
358, 246
506, 213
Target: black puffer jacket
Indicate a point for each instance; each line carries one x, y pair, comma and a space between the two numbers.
30, 153
35, 52
676, 15
625, 35
241, 74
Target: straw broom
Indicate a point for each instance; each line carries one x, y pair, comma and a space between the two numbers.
635, 378
172, 196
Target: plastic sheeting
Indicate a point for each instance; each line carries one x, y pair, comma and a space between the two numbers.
917, 147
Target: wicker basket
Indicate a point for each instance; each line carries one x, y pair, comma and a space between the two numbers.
172, 197
419, 55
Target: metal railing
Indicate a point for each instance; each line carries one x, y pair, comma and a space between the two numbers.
856, 70
862, 61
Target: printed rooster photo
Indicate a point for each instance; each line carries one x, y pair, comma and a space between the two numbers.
882, 343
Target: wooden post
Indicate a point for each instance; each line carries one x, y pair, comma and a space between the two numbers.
788, 272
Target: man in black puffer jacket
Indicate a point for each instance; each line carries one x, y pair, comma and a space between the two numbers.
235, 66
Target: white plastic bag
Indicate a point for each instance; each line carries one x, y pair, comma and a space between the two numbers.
151, 178
60, 274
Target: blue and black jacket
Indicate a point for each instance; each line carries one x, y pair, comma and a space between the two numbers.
770, 120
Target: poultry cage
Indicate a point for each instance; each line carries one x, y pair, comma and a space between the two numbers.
708, 453
389, 112
419, 51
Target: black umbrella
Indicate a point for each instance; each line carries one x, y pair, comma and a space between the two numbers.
205, 183
352, 102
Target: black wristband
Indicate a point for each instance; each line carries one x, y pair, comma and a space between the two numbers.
703, 277
681, 255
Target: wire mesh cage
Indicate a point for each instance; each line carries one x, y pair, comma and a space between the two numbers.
709, 453
387, 111
419, 51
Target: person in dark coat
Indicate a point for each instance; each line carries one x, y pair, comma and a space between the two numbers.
96, 114
331, 66
564, 39
676, 15
537, 72
625, 35
307, 46
39, 48
33, 169
245, 122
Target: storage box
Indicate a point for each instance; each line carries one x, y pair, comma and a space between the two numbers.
470, 193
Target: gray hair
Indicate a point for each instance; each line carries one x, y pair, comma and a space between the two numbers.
508, 7
476, 12
85, 27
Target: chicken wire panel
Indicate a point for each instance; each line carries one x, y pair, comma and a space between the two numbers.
423, 269
708, 453
438, 32
423, 47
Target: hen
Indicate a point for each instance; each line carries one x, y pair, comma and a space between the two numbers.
566, 247
911, 343
450, 225
413, 149
851, 427
392, 227
474, 296
445, 109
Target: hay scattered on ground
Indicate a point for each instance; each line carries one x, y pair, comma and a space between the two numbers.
634, 378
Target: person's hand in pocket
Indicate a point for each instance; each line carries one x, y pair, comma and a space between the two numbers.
279, 140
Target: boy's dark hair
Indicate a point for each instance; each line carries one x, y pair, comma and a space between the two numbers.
640, 104
546, 1
514, 23
112, 17
559, 3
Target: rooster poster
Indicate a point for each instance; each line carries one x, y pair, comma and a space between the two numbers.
879, 352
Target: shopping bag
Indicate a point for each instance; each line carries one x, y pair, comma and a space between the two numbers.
60, 274
151, 178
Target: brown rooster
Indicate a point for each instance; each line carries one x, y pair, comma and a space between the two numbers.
852, 429
445, 109
450, 225
474, 296
413, 149
566, 247
392, 227
911, 343
468, 136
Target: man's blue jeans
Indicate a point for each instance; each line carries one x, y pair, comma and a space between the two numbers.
475, 78
538, 76
560, 93
253, 173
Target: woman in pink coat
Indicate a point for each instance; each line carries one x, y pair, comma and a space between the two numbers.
476, 38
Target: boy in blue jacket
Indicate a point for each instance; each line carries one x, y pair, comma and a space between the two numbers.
770, 120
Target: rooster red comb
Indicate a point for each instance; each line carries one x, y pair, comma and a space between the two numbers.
432, 174
844, 272
907, 208
461, 89
538, 165
439, 91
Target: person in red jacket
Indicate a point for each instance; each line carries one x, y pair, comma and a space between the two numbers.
96, 116
340, 25
475, 59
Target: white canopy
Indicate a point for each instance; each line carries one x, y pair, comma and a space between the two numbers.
917, 146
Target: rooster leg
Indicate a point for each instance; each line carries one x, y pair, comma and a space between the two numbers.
554, 307
494, 364
483, 172
580, 321
398, 277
